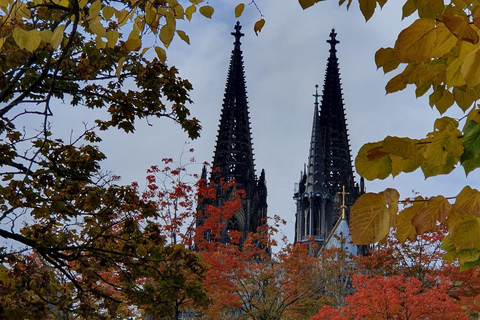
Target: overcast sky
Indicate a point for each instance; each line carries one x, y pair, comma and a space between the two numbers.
282, 66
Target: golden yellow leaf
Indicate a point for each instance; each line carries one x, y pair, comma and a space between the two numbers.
57, 36
432, 215
468, 200
445, 101
178, 11
122, 17
442, 149
96, 27
108, 12
400, 164
257, 27
385, 58
183, 36
471, 68
112, 38
429, 9
94, 10
371, 216
190, 11
405, 229
119, 67
408, 8
403, 147
161, 54
464, 97
476, 16
378, 167
206, 11
46, 36
239, 10
308, 3
99, 43
460, 27
464, 230
82, 3
29, 40
415, 43
454, 76
444, 41
367, 7
397, 83
133, 44
166, 34
151, 17
2, 42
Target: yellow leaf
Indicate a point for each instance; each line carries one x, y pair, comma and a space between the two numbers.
183, 36
464, 97
96, 27
99, 43
29, 40
82, 3
442, 149
161, 54
405, 229
464, 230
46, 36
122, 17
400, 164
2, 42
178, 11
454, 77
144, 51
445, 102
258, 26
239, 10
367, 7
308, 3
108, 12
112, 38
408, 8
371, 216
206, 11
385, 58
189, 11
460, 27
94, 10
151, 17
403, 147
166, 34
476, 16
133, 44
429, 9
57, 36
432, 215
468, 200
397, 83
371, 163
119, 67
471, 68
422, 41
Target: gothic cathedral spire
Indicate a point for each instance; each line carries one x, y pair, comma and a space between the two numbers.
329, 170
233, 156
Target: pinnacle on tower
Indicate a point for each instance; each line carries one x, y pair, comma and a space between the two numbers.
233, 155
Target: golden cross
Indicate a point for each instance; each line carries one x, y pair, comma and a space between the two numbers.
343, 206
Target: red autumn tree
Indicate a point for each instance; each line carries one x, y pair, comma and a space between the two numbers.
410, 281
395, 297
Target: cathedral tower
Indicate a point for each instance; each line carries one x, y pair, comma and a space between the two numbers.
233, 156
326, 184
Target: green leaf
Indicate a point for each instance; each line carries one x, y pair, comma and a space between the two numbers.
471, 143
